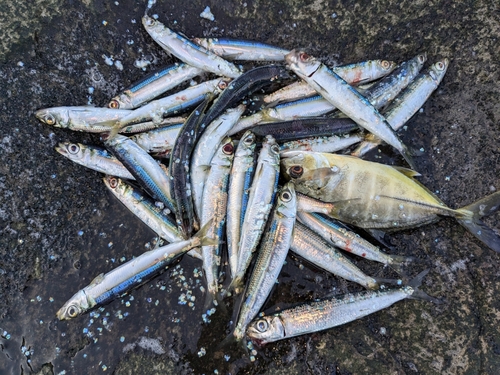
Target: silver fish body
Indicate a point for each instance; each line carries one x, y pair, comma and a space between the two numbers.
187, 51
157, 109
81, 118
158, 140
94, 158
239, 185
320, 315
205, 149
242, 50
345, 97
272, 253
406, 104
214, 207
260, 202
322, 144
313, 248
143, 167
154, 85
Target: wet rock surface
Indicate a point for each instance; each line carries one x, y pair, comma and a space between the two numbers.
59, 228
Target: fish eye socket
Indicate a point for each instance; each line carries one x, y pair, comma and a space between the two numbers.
275, 149
72, 311
421, 58
73, 149
262, 325
304, 56
222, 85
114, 104
113, 182
286, 196
386, 64
228, 149
249, 140
296, 171
440, 65
50, 120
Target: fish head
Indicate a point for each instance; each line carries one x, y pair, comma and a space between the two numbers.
120, 101
387, 66
73, 151
151, 24
270, 151
438, 70
247, 144
225, 153
287, 201
301, 63
116, 185
266, 329
75, 306
311, 172
57, 116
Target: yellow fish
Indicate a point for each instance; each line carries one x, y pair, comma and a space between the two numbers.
373, 195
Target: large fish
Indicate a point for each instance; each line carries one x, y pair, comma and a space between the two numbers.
373, 195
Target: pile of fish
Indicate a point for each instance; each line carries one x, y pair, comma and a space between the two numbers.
267, 160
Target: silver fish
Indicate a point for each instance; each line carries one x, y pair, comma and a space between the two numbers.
345, 97
260, 202
272, 253
319, 315
119, 281
187, 51
154, 85
239, 186
94, 158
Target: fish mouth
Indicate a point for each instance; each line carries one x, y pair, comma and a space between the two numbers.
61, 148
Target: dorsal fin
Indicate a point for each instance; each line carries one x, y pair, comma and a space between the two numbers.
406, 171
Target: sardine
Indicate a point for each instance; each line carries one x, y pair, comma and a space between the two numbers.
319, 315
272, 253
345, 97
260, 202
154, 85
131, 274
242, 50
187, 51
239, 187
94, 158
143, 167
158, 140
322, 144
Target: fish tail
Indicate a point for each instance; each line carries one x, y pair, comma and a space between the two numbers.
408, 156
203, 237
469, 217
419, 294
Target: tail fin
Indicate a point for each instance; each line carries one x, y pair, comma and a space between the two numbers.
469, 216
419, 294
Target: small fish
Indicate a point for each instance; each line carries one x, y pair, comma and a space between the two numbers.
135, 272
154, 85
272, 253
94, 158
373, 195
242, 50
346, 98
187, 51
328, 313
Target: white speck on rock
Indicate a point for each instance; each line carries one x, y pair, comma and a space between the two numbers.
207, 14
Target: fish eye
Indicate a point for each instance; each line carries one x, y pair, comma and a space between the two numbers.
275, 148
262, 325
73, 149
250, 139
50, 120
150, 21
113, 182
72, 311
286, 196
228, 149
114, 104
296, 171
304, 56
385, 64
440, 66
222, 85
421, 58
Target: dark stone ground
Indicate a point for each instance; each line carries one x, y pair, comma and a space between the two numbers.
45, 200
